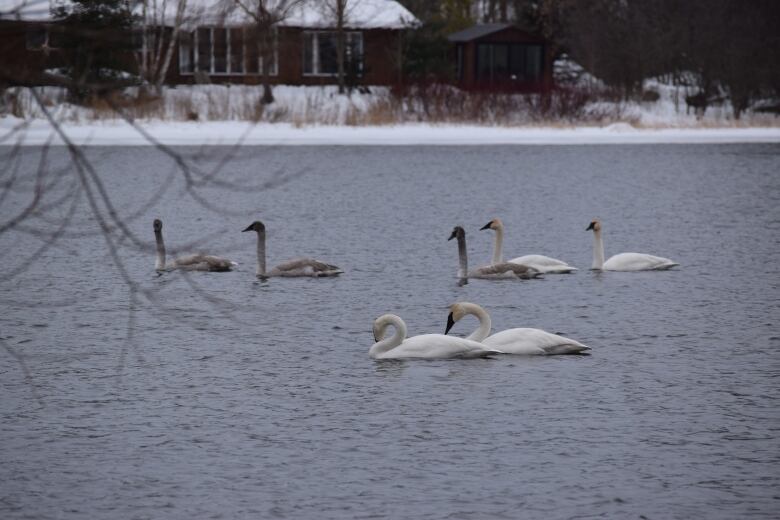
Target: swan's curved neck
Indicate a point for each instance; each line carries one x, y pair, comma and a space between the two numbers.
598, 250
160, 263
463, 268
498, 245
483, 331
385, 344
260, 268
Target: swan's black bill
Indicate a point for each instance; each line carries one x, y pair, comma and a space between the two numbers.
453, 235
248, 228
450, 323
592, 224
486, 226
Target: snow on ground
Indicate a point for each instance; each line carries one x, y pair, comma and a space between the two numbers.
38, 132
221, 115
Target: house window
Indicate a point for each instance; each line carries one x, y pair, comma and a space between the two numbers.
320, 56
501, 62
186, 61
223, 51
459, 62
37, 38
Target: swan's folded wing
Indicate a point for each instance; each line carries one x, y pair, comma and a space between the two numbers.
200, 262
505, 269
528, 341
308, 266
638, 262
544, 264
439, 346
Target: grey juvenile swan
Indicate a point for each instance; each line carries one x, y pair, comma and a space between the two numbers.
494, 271
197, 262
296, 267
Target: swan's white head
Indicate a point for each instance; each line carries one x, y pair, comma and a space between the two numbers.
457, 232
595, 225
457, 312
255, 226
157, 225
380, 326
493, 224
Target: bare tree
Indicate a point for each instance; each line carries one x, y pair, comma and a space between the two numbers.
337, 12
266, 16
157, 41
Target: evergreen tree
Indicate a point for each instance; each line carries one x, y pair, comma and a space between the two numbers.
98, 41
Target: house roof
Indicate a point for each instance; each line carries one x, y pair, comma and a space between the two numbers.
311, 14
478, 31
31, 10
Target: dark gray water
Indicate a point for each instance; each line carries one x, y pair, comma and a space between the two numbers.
218, 396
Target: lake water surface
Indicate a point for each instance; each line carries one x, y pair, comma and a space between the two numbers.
214, 395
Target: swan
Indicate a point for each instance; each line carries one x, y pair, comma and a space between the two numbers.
522, 341
541, 263
425, 346
624, 261
499, 270
197, 262
295, 267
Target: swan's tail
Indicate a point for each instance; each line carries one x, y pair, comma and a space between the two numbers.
567, 349
484, 354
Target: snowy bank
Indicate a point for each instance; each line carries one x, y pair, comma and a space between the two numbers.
436, 105
113, 133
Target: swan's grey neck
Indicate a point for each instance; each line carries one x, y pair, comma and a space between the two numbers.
160, 263
598, 250
260, 268
483, 331
498, 245
386, 344
464, 263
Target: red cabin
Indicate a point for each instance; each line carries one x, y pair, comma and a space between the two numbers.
501, 56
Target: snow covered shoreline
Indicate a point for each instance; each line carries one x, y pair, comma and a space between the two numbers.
112, 133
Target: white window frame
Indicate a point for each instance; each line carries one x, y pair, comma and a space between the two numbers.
183, 51
315, 54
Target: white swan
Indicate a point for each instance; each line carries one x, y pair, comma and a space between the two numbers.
425, 346
197, 262
522, 341
295, 267
541, 263
499, 270
624, 261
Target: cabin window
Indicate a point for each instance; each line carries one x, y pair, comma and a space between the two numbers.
224, 51
320, 56
502, 62
459, 62
37, 37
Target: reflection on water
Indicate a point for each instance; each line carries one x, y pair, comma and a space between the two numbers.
238, 398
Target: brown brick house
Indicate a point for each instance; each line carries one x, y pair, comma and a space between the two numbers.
218, 48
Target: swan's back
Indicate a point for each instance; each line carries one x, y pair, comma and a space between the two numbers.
438, 346
533, 342
199, 262
638, 262
544, 264
305, 267
504, 270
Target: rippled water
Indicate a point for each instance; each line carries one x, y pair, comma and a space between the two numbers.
218, 396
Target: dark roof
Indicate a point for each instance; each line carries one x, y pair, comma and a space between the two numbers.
478, 31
